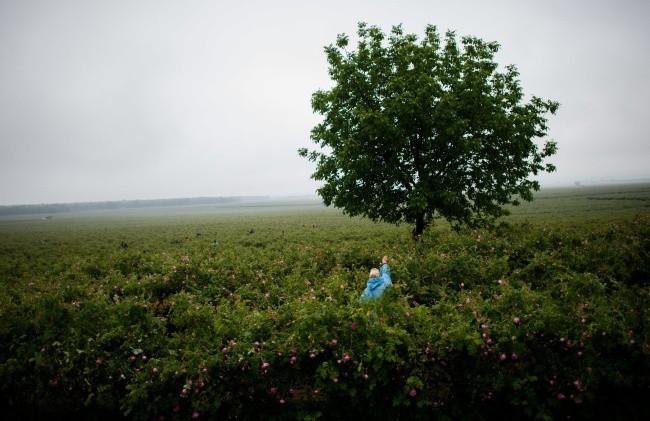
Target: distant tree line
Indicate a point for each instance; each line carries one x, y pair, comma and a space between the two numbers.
55, 208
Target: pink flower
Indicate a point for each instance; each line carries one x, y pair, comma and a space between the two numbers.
407, 314
293, 360
144, 358
353, 326
413, 393
561, 397
467, 300
334, 342
312, 355
265, 366
154, 370
516, 320
503, 357
514, 356
195, 414
346, 358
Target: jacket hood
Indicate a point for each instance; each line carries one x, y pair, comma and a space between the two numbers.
374, 283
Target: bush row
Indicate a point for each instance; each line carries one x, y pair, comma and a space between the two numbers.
519, 321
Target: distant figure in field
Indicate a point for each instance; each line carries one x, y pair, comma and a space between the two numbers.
379, 280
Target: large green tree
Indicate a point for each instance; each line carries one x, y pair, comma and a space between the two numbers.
419, 129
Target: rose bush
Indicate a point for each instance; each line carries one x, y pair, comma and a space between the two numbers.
524, 321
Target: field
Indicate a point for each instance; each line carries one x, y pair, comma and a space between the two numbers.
251, 310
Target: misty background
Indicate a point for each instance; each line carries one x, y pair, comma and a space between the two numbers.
124, 100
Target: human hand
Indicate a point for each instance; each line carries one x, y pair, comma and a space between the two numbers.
384, 260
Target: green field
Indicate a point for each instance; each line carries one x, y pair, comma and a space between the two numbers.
210, 293
594, 203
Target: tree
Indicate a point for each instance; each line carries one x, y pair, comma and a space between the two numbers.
416, 130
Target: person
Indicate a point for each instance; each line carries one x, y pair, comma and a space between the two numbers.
378, 281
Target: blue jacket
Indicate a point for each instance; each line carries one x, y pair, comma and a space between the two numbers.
375, 286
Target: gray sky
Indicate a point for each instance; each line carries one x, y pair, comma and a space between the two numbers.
128, 99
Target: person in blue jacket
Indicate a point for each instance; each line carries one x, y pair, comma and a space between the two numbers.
379, 280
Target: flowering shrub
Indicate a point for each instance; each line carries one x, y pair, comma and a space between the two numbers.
523, 321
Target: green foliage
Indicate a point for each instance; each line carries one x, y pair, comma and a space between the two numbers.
418, 129
528, 320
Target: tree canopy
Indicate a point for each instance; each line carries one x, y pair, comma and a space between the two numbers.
419, 129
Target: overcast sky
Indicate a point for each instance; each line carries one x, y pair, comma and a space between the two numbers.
128, 99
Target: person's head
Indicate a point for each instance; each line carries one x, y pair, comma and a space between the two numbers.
374, 273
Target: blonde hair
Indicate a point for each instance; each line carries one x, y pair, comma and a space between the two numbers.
374, 273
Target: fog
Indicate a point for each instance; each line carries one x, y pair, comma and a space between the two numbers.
122, 100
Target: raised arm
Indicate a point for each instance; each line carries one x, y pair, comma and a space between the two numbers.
384, 271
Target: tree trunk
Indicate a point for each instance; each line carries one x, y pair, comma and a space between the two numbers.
419, 226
